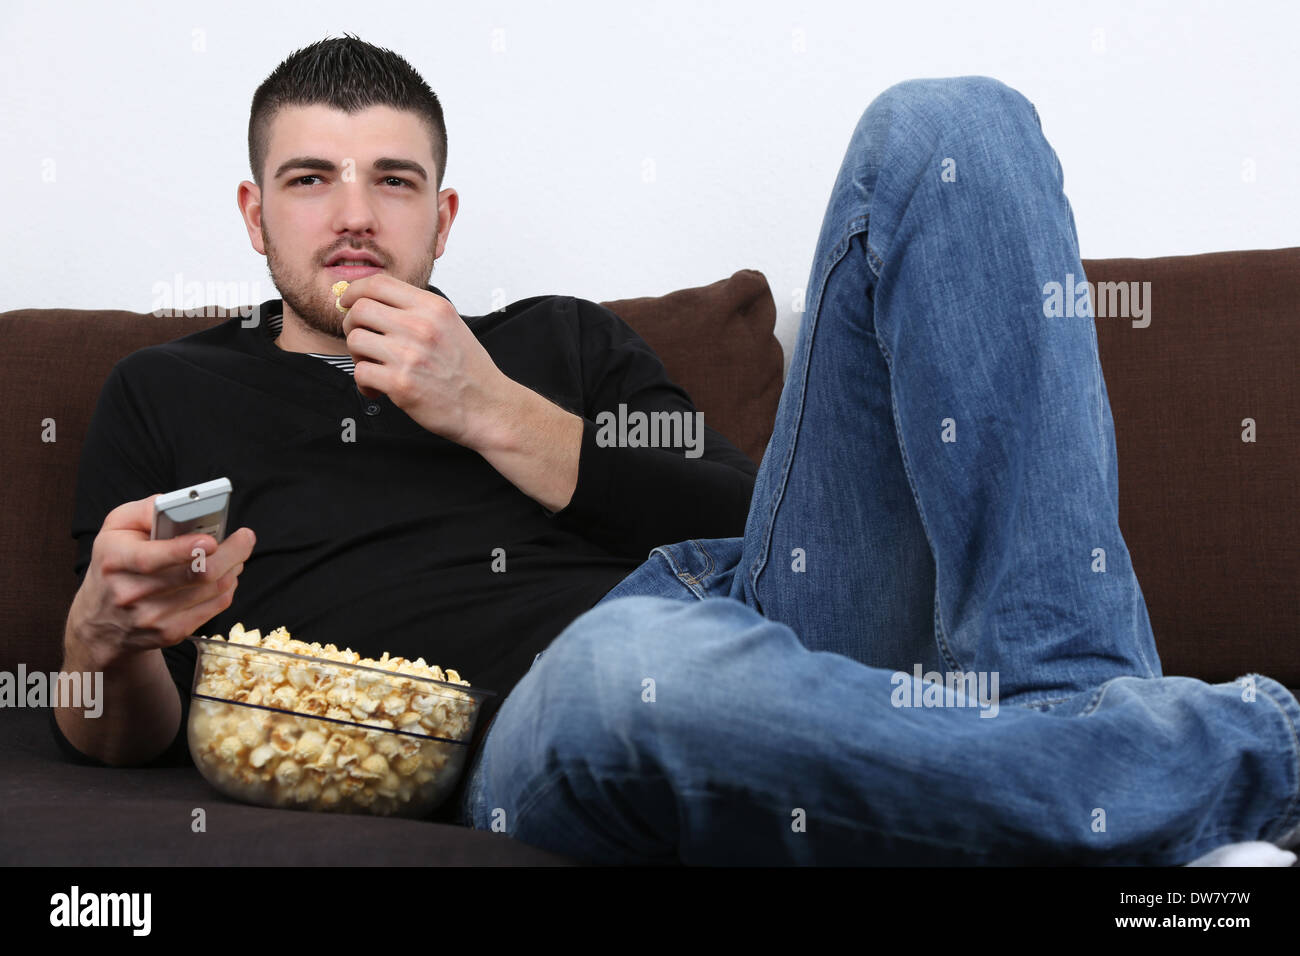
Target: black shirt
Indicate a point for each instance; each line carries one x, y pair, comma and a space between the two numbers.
386, 543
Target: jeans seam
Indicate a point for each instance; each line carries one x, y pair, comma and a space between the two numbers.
838, 253
1093, 704
1052, 701
874, 262
684, 577
689, 578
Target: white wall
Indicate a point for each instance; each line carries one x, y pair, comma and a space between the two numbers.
745, 109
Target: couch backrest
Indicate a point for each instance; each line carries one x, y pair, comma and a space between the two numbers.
1212, 522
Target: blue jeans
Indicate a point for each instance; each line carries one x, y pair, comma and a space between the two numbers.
930, 645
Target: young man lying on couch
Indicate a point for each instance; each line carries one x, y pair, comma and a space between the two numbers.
939, 497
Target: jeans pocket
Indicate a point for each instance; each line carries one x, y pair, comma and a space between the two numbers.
704, 566
686, 570
657, 576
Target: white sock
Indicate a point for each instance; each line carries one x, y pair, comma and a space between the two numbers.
1253, 853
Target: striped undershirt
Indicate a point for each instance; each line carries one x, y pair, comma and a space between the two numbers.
275, 322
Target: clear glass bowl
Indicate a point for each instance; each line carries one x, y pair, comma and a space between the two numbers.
280, 729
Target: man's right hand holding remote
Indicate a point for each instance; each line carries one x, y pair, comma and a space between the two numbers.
137, 597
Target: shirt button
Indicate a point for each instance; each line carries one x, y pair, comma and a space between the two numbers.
372, 408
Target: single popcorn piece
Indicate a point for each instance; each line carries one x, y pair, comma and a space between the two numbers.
407, 765
307, 791
310, 745
250, 732
288, 773
375, 764
338, 289
261, 755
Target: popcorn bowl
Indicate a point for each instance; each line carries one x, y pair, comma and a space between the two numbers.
280, 728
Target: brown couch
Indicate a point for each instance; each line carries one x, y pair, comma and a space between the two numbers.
1212, 523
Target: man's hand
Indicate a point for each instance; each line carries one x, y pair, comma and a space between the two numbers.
139, 595
411, 345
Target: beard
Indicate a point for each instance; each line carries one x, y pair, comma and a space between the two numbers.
307, 295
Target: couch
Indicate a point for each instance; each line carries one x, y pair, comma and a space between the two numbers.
1212, 523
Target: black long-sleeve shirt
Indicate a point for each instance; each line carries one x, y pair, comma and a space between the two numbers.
386, 543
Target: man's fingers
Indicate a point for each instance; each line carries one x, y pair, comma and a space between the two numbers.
384, 288
135, 520
123, 547
182, 613
180, 588
158, 557
175, 563
232, 553
131, 516
195, 617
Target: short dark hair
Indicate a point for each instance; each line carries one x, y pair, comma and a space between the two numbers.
348, 74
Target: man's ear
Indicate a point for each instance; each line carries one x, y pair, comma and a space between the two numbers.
249, 199
448, 205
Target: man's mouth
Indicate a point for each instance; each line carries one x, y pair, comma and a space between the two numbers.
356, 270
353, 264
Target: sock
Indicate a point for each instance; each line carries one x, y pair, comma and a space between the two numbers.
1253, 853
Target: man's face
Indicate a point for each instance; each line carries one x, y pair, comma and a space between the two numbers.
305, 216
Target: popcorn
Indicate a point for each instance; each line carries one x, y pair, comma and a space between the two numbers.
338, 289
391, 751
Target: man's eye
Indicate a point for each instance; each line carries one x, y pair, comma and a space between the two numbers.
301, 178
404, 182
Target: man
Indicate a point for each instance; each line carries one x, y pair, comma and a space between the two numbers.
417, 483
938, 484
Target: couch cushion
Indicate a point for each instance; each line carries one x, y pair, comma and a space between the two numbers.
717, 342
53, 814
1212, 522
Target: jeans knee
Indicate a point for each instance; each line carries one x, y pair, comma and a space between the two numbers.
596, 672
596, 637
954, 99
949, 109
636, 672
971, 129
